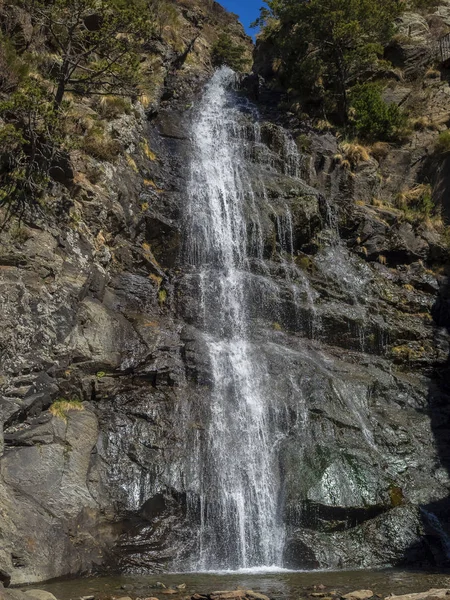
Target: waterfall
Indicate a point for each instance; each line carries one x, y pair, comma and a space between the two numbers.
237, 478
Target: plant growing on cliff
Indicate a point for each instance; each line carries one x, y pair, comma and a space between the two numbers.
372, 118
12, 68
226, 52
416, 202
61, 407
443, 142
87, 47
96, 43
29, 138
326, 45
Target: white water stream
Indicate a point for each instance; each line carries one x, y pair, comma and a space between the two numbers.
240, 527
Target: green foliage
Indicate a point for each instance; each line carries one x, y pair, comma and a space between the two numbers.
325, 45
88, 47
304, 143
96, 43
226, 52
443, 142
12, 68
416, 202
111, 107
446, 236
372, 118
98, 144
29, 138
164, 14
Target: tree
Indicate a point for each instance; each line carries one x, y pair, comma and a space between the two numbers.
97, 46
97, 43
332, 40
226, 52
29, 140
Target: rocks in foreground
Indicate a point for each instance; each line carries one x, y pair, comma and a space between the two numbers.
231, 595
12, 594
359, 595
433, 594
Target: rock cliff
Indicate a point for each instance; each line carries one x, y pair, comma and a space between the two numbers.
105, 380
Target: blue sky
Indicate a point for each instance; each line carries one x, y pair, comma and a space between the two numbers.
248, 11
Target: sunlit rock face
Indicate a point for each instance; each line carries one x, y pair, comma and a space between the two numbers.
255, 354
295, 428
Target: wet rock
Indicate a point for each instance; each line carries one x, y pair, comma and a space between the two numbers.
160, 585
358, 595
429, 595
256, 595
227, 595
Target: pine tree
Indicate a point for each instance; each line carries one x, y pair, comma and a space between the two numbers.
97, 43
329, 40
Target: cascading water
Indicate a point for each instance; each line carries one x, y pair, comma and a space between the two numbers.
247, 276
238, 481
263, 449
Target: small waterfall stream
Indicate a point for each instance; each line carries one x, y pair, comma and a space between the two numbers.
251, 287
238, 481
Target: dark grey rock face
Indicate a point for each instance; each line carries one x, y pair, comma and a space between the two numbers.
104, 309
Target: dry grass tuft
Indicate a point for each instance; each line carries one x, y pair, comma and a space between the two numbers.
379, 150
355, 153
112, 107
98, 144
61, 407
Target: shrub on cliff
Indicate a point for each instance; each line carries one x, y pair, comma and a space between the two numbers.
443, 142
62, 407
30, 135
12, 68
416, 202
372, 118
226, 52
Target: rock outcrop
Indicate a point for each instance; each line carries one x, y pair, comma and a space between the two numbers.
100, 307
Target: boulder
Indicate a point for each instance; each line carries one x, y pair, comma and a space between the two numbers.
433, 594
256, 595
224, 595
40, 594
358, 595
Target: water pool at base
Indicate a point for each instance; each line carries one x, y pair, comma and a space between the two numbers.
281, 584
